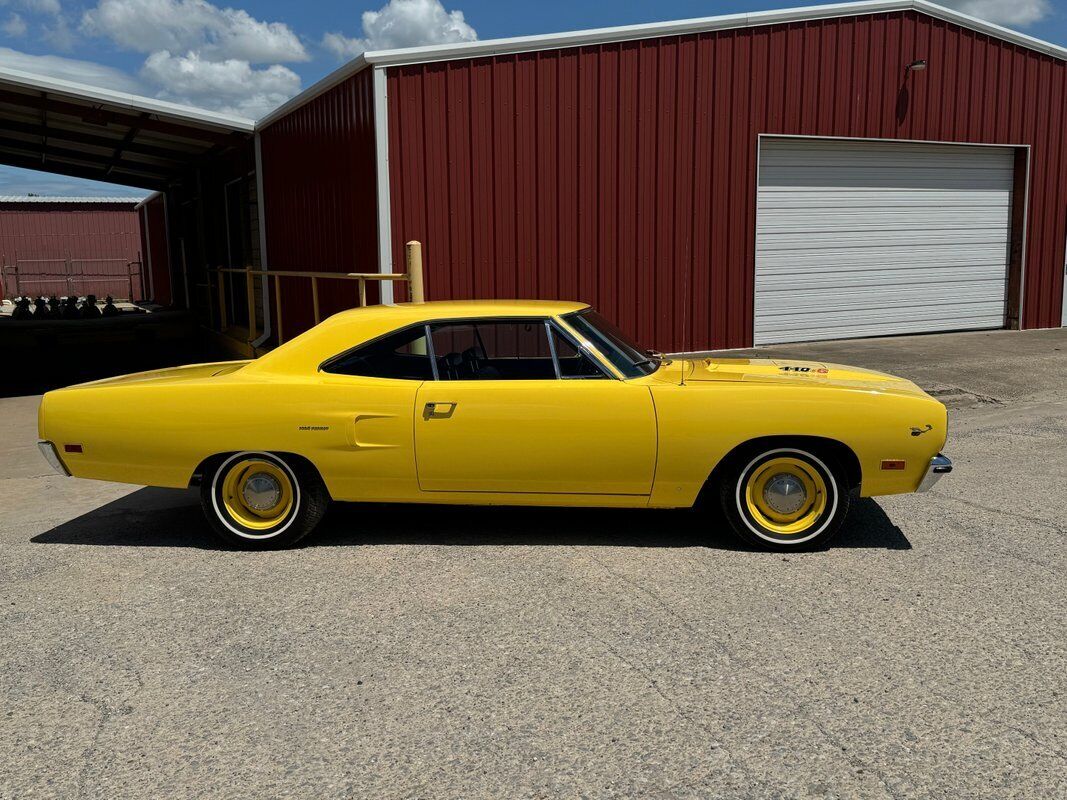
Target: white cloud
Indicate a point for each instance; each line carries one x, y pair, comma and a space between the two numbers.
179, 26
1004, 12
232, 86
59, 35
403, 23
43, 6
70, 69
14, 26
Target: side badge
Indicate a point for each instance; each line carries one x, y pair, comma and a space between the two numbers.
921, 431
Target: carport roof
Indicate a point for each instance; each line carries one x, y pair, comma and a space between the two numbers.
84, 131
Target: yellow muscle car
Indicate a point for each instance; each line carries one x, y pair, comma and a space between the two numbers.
501, 403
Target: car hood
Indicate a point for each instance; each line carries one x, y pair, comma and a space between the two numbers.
776, 370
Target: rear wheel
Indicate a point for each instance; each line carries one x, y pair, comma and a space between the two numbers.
784, 498
261, 501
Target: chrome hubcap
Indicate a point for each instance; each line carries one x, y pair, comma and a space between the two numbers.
261, 492
785, 493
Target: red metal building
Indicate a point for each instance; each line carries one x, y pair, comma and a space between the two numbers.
70, 245
870, 168
706, 183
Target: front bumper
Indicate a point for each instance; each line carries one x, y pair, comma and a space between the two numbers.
48, 450
939, 465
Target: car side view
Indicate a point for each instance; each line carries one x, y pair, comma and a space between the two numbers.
512, 403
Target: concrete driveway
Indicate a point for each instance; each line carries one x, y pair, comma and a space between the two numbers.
450, 652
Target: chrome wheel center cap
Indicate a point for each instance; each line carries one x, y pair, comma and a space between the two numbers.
785, 493
261, 492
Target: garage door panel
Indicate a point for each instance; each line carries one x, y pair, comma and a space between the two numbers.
805, 198
876, 238
861, 239
941, 279
877, 327
817, 300
803, 262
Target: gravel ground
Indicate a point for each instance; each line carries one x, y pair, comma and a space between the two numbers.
452, 652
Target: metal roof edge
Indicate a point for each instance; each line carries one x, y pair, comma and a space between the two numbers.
59, 199
343, 72
81, 91
520, 44
147, 200
555, 41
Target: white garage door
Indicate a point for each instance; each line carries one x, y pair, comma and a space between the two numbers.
858, 238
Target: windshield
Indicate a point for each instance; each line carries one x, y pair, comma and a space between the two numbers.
613, 343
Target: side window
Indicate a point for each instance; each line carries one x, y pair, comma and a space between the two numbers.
514, 350
573, 363
400, 355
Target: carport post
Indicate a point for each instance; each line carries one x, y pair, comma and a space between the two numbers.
413, 253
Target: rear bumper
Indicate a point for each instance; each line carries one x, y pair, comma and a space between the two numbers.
48, 450
939, 465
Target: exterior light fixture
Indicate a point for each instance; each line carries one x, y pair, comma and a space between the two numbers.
917, 66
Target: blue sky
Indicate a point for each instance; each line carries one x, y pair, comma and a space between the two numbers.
248, 57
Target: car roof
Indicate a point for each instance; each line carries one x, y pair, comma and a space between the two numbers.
451, 309
350, 328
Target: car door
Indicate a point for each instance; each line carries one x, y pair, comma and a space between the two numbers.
502, 418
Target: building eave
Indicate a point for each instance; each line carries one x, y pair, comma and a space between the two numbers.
622, 33
520, 44
129, 102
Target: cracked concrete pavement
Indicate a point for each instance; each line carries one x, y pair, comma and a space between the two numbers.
451, 652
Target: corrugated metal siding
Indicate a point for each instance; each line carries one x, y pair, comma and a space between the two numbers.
320, 196
625, 174
50, 242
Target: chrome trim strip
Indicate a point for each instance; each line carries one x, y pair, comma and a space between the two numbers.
939, 465
48, 450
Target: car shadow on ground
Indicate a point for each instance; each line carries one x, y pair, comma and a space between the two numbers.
172, 518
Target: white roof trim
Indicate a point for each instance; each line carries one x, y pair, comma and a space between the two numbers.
148, 199
341, 73
14, 198
555, 41
132, 102
729, 21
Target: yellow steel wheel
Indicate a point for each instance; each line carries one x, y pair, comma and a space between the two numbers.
785, 495
257, 494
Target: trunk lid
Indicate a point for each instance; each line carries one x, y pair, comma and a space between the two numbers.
184, 374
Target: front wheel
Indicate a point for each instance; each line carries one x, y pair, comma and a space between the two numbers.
784, 498
260, 501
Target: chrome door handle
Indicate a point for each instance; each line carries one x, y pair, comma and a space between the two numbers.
439, 410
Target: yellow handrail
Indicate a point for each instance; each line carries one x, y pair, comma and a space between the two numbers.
413, 277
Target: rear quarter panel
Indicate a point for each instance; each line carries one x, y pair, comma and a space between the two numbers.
701, 424
358, 433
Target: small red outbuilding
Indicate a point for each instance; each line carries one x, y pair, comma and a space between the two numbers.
70, 245
851, 170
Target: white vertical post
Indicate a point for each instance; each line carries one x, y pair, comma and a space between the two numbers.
381, 156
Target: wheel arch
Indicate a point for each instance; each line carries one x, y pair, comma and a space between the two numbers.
834, 449
208, 464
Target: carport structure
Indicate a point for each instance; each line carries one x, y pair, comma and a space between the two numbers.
57, 126
200, 164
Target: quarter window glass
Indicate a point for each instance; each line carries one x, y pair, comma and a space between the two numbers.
492, 350
573, 363
401, 355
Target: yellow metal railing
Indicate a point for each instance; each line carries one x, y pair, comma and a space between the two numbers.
413, 277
